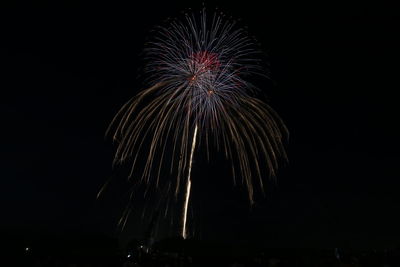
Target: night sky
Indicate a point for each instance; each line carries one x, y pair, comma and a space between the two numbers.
67, 68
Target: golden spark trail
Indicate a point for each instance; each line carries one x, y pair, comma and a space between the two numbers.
188, 186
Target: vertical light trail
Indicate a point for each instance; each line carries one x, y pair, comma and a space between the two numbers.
188, 185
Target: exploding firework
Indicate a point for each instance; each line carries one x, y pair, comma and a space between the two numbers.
198, 71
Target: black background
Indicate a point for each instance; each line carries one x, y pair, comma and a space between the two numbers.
68, 67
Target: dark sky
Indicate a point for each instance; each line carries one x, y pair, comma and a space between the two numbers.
67, 68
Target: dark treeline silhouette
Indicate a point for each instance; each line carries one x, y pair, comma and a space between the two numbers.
100, 250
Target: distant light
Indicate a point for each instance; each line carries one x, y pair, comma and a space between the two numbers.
141, 246
27, 249
129, 255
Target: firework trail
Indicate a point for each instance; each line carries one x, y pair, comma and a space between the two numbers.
188, 185
199, 91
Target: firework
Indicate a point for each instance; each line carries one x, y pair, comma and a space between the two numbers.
198, 71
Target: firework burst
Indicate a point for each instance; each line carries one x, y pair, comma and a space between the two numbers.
198, 72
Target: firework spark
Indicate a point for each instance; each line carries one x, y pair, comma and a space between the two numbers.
198, 71
188, 184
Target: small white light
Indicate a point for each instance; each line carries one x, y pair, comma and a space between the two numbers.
141, 246
129, 255
26, 249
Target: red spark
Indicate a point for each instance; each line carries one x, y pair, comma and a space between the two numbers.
207, 60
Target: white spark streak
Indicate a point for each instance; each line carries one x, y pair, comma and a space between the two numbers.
188, 184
